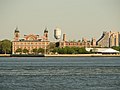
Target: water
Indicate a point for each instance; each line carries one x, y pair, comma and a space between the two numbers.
60, 73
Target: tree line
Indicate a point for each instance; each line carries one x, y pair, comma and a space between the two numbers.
70, 50
33, 51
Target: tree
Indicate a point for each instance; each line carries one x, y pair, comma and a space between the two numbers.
83, 51
50, 47
55, 50
70, 50
116, 48
19, 50
25, 51
65, 50
6, 46
40, 50
61, 51
0, 47
34, 50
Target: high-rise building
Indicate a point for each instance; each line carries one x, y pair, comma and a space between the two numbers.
109, 39
119, 38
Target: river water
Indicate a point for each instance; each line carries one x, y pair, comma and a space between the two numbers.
59, 73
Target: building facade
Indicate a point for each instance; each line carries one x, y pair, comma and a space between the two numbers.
83, 43
29, 42
109, 39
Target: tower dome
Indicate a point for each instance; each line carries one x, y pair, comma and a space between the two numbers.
16, 30
16, 34
45, 31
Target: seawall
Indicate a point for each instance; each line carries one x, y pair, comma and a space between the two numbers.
5, 55
61, 55
82, 55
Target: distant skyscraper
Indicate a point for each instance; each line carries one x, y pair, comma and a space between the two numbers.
109, 39
119, 38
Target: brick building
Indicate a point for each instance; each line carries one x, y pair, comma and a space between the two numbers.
29, 42
83, 43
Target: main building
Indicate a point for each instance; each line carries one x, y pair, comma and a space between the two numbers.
30, 41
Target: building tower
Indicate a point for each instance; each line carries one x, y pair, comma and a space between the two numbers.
46, 34
64, 37
93, 42
84, 42
16, 34
114, 39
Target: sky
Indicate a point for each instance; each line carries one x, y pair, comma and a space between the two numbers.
76, 18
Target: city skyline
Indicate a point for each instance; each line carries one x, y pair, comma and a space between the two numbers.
76, 18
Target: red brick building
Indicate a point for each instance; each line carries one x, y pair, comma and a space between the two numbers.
83, 43
29, 42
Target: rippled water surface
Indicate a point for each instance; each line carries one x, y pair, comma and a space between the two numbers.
60, 73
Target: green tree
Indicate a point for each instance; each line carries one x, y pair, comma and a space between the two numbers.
70, 50
0, 47
6, 46
40, 50
25, 51
34, 50
65, 50
83, 51
50, 47
76, 49
19, 50
116, 48
60, 51
55, 50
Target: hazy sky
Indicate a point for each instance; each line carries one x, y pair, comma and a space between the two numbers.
76, 18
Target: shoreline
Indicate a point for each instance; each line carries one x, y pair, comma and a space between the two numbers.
83, 55
61, 55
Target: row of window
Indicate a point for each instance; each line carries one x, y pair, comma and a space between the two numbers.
28, 48
39, 43
76, 43
30, 45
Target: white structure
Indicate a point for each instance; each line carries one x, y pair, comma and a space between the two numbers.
110, 50
57, 33
103, 50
